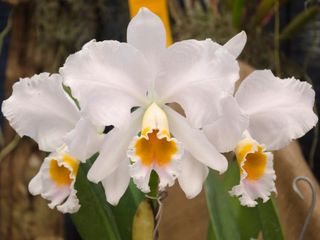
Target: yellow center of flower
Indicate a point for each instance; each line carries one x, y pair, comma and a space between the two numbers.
155, 150
255, 163
61, 174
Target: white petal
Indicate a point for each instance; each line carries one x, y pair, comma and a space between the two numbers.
226, 131
168, 174
35, 185
201, 105
56, 196
141, 176
279, 110
114, 148
84, 140
108, 78
117, 182
193, 174
39, 108
146, 32
71, 205
195, 142
236, 44
200, 66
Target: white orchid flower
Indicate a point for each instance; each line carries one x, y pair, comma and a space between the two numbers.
128, 86
40, 108
279, 111
55, 181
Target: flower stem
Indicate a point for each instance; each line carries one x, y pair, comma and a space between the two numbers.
156, 198
153, 184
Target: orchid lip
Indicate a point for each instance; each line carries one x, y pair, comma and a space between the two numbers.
154, 149
64, 172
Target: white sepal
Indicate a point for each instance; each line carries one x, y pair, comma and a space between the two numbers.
84, 140
236, 44
108, 78
146, 32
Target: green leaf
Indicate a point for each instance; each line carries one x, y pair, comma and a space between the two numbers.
247, 218
299, 22
211, 234
222, 220
95, 219
269, 219
237, 10
265, 8
125, 211
247, 221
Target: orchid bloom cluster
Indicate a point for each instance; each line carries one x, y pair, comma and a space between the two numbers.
129, 88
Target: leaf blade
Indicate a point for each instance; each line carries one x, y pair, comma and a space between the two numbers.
244, 215
222, 220
271, 227
125, 211
95, 219
299, 22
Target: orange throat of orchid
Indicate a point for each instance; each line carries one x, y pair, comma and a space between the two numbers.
252, 161
155, 146
154, 150
62, 173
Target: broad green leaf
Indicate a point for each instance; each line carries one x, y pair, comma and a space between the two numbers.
299, 22
126, 209
249, 221
269, 220
247, 218
211, 235
222, 219
95, 219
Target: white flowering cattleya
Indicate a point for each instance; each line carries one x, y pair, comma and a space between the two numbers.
131, 87
40, 108
128, 86
279, 111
